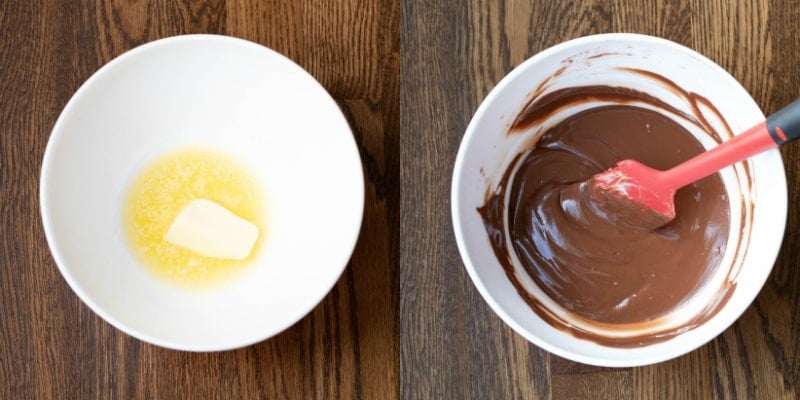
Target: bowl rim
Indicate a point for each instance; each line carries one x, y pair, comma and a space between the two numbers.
456, 205
57, 135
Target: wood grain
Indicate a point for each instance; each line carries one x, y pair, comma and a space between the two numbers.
53, 346
452, 345
404, 321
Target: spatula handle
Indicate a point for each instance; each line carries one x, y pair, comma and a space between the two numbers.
784, 125
779, 128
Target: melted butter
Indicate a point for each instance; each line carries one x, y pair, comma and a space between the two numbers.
163, 187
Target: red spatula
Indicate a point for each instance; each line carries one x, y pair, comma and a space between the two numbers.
636, 185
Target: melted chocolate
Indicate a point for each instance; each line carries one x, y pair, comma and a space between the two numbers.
584, 256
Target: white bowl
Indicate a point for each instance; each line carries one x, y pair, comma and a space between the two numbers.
486, 151
238, 97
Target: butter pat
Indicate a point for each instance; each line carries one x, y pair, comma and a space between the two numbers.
210, 229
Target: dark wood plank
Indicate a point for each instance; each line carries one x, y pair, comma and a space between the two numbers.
451, 344
688, 377
601, 385
53, 346
279, 27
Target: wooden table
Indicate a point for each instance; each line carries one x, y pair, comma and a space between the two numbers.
404, 321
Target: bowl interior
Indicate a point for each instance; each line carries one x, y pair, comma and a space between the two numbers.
486, 151
238, 97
